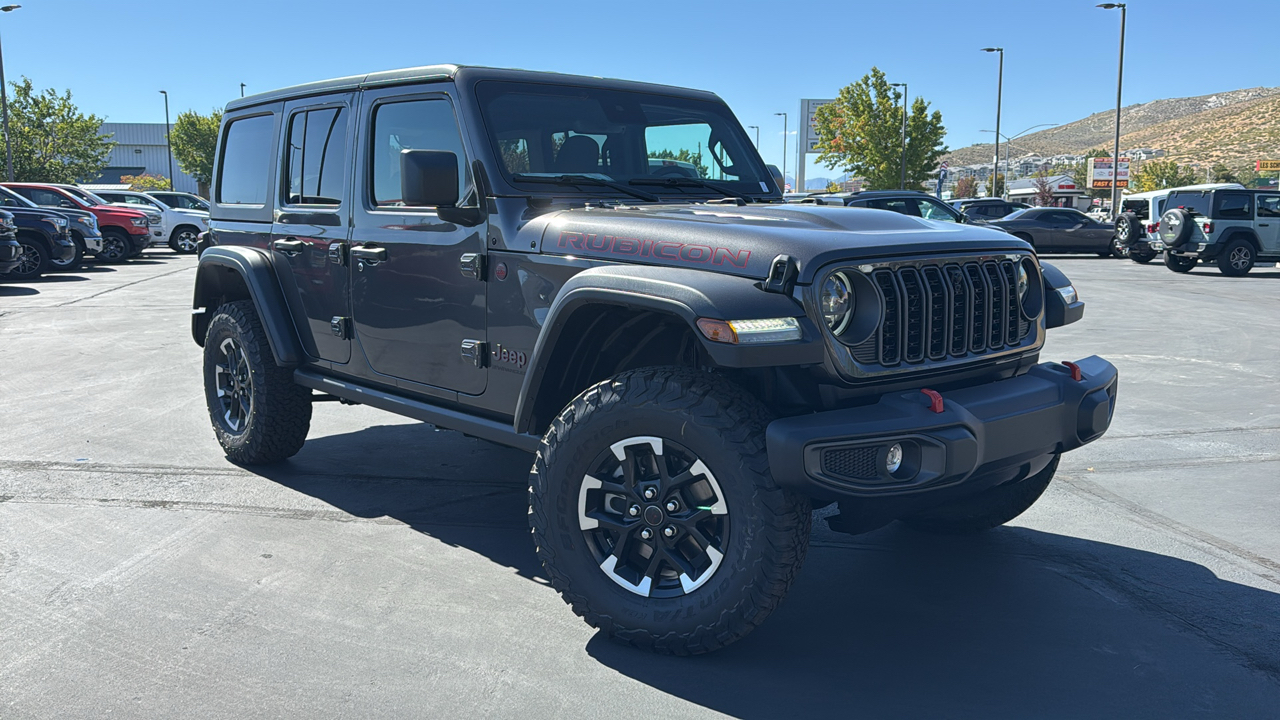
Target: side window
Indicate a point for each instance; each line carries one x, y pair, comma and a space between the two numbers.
316, 157
1268, 206
930, 210
411, 125
1235, 206
45, 197
246, 161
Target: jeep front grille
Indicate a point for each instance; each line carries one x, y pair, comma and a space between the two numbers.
935, 312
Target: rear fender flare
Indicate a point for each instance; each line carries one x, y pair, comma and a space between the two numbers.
253, 268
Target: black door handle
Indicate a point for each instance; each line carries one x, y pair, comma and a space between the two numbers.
368, 255
1264, 224
289, 246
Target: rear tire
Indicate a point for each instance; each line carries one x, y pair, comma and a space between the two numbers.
1236, 259
1178, 263
667, 424
259, 414
986, 510
1142, 256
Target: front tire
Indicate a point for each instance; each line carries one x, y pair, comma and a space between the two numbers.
1178, 263
259, 414
33, 261
986, 510
115, 246
183, 240
656, 517
69, 265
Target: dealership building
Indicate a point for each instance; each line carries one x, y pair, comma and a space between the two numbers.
140, 150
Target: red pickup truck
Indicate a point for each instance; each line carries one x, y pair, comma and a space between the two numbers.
123, 229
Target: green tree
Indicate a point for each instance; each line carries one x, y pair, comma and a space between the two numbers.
1161, 174
195, 140
143, 183
861, 133
684, 155
966, 186
996, 187
52, 140
834, 187
1222, 174
1080, 174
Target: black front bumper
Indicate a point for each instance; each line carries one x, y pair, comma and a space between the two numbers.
984, 436
141, 242
10, 251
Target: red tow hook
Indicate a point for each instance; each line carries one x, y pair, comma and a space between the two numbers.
935, 399
1075, 371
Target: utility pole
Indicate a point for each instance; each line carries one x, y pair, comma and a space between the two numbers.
241, 89
168, 143
784, 150
995, 174
902, 184
4, 103
1115, 157
757, 129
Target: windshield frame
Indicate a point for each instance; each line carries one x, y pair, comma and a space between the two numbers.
85, 197
484, 143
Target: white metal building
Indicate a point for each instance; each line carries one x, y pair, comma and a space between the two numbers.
141, 149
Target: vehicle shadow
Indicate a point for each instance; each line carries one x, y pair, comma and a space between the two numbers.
15, 290
95, 268
1014, 623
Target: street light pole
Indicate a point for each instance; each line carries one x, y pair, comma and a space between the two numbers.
241, 89
168, 143
999, 93
784, 150
757, 129
1115, 157
902, 184
4, 103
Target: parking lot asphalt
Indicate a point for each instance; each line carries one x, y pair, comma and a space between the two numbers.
387, 569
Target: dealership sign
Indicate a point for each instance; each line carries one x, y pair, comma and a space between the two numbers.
1265, 165
1101, 175
808, 112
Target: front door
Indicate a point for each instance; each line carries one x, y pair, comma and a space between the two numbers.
1268, 224
309, 232
414, 304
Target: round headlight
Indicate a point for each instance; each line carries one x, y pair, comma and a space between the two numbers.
1023, 283
836, 302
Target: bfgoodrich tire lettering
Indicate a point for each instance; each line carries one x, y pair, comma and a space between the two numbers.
763, 541
259, 414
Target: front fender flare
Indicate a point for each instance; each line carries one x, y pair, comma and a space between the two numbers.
682, 293
253, 268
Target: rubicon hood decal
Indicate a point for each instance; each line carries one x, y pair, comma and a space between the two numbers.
689, 253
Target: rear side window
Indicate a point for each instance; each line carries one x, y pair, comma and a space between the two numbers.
1268, 206
1191, 202
317, 157
1235, 206
411, 125
246, 161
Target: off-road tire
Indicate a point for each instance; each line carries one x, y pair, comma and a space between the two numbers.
1142, 257
1177, 263
1127, 225
1237, 258
986, 510
116, 246
725, 427
280, 411
1176, 227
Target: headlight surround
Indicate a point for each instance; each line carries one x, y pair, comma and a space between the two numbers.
1030, 286
835, 301
138, 221
58, 222
89, 222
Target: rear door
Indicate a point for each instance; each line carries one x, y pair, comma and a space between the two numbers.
310, 225
415, 300
1268, 224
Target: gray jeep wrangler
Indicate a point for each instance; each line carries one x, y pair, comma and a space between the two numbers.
1233, 228
693, 364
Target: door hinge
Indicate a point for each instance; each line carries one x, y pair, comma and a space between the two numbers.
476, 352
339, 326
338, 253
472, 265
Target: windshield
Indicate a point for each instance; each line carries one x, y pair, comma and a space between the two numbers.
621, 136
1016, 214
86, 196
9, 198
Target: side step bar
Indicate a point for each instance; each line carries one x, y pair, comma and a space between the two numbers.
485, 429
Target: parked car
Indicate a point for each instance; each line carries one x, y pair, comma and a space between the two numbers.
1059, 230
1138, 224
119, 226
692, 362
905, 202
81, 225
1231, 227
10, 248
980, 210
180, 200
43, 238
181, 228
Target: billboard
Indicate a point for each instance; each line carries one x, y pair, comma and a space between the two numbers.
1100, 173
1268, 165
809, 136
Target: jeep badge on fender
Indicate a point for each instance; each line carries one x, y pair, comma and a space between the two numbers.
699, 364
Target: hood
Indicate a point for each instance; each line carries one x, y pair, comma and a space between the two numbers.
744, 240
129, 206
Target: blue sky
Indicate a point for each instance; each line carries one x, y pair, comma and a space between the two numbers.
760, 57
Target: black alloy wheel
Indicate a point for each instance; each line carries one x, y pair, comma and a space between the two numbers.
33, 260
115, 247
233, 386
654, 517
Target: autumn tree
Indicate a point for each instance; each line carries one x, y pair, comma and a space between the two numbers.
144, 182
52, 141
1161, 174
966, 186
195, 140
995, 188
1044, 189
861, 133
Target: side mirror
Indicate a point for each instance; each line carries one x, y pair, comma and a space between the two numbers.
429, 178
66, 204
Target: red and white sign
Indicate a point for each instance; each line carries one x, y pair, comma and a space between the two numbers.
1066, 186
1100, 174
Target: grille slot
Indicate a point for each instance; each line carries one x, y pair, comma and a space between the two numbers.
851, 463
952, 310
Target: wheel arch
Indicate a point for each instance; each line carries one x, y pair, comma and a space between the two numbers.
1245, 233
227, 274
37, 235
610, 319
181, 225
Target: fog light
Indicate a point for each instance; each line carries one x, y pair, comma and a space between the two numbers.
893, 459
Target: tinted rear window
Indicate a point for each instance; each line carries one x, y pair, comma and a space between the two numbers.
1191, 201
1234, 206
246, 159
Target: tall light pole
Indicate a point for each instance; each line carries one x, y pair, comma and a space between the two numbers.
757, 129
1115, 157
167, 141
784, 150
241, 89
4, 102
999, 92
902, 184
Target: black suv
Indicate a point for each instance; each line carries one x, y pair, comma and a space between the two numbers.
10, 249
905, 202
44, 237
1232, 228
986, 209
692, 362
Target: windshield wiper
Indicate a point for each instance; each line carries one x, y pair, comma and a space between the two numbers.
674, 182
569, 179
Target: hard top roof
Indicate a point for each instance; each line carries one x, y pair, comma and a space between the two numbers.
427, 73
1202, 186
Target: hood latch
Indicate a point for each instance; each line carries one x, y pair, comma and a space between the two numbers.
783, 272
